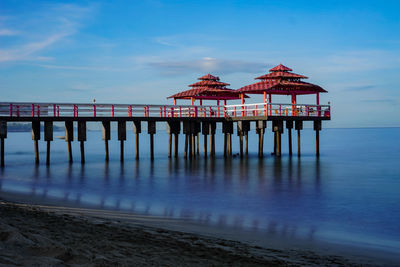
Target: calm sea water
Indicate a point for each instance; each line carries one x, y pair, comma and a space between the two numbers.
350, 194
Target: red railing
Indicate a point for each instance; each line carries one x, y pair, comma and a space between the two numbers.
21, 109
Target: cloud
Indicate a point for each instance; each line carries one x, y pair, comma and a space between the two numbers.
206, 64
361, 88
56, 23
380, 101
8, 32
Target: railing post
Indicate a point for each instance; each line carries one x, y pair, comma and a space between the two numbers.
234, 109
165, 111
11, 110
280, 110
195, 112
130, 111
54, 110
180, 111
161, 113
38, 111
112, 110
76, 107
33, 110
17, 110
94, 111
172, 113
58, 111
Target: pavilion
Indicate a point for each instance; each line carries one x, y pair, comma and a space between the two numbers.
281, 81
209, 88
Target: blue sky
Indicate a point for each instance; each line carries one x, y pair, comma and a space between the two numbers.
143, 51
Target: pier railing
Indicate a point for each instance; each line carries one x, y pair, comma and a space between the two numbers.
24, 109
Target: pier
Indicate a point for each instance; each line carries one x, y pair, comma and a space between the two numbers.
192, 120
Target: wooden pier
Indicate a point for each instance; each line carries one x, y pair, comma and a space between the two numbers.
192, 120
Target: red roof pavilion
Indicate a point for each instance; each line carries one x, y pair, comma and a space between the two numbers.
209, 88
282, 81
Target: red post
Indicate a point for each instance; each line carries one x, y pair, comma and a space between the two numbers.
58, 111
148, 111
318, 107
130, 111
234, 110
195, 112
54, 110
161, 113
112, 110
255, 111
11, 110
210, 112
280, 110
38, 111
265, 97
17, 110
94, 110
174, 101
33, 110
165, 111
180, 111
172, 112
242, 98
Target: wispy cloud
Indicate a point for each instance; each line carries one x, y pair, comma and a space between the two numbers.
57, 22
206, 64
361, 88
381, 101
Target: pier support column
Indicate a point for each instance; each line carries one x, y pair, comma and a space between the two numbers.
317, 128
186, 132
227, 129
122, 137
106, 136
260, 129
243, 127
173, 128
212, 126
277, 128
36, 138
151, 130
137, 129
298, 126
197, 130
69, 137
205, 130
48, 137
3, 135
82, 138
289, 126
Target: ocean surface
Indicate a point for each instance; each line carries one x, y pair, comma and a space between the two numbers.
350, 194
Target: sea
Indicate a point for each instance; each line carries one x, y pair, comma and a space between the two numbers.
350, 194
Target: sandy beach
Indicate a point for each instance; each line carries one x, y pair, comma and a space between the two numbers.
33, 235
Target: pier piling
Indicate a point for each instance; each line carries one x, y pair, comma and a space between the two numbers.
277, 128
205, 130
69, 137
106, 136
48, 137
298, 126
3, 135
289, 126
151, 130
243, 127
317, 128
36, 138
82, 138
121, 137
137, 129
260, 129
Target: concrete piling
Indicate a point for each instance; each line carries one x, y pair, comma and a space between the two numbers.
298, 126
106, 136
317, 128
3, 135
121, 137
289, 126
36, 138
137, 129
48, 137
69, 137
277, 128
260, 129
151, 130
82, 138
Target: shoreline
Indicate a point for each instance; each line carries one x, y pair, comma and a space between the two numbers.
260, 250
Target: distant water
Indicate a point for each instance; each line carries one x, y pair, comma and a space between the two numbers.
350, 194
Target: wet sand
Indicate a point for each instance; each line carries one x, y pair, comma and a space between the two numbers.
54, 236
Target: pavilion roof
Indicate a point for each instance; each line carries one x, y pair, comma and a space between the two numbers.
281, 67
208, 87
280, 80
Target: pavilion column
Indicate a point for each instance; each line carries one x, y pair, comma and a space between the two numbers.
265, 97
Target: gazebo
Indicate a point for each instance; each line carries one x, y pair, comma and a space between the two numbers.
208, 88
281, 81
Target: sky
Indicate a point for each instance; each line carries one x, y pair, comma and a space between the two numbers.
143, 51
